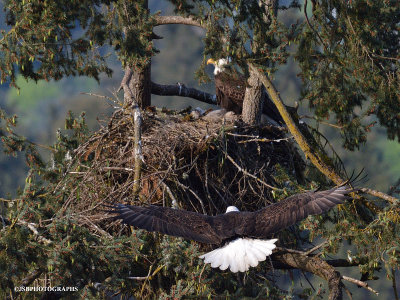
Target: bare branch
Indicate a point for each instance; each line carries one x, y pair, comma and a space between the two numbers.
165, 20
378, 194
180, 89
315, 248
250, 175
360, 283
195, 195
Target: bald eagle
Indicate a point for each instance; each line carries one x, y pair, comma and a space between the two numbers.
243, 235
230, 86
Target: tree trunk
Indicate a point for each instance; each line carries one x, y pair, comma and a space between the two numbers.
252, 103
139, 80
253, 99
140, 85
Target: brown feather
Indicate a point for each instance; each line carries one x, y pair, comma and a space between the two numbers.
230, 91
216, 229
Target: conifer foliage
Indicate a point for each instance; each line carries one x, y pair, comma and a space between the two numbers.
348, 54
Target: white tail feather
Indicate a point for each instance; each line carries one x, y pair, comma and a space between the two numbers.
240, 254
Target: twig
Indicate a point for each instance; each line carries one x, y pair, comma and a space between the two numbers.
118, 169
195, 195
311, 27
287, 250
315, 248
105, 233
97, 95
320, 121
249, 174
265, 140
148, 277
360, 283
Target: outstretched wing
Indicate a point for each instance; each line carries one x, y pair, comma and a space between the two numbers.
275, 217
176, 222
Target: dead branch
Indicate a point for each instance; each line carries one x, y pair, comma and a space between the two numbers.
308, 252
360, 283
249, 174
182, 90
165, 20
379, 194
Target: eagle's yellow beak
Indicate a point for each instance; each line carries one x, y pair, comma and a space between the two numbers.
210, 61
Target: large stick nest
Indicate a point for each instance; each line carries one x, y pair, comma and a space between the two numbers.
202, 166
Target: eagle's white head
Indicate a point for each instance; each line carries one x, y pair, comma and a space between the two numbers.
232, 208
219, 65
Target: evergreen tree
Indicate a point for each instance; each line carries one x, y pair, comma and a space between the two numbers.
348, 52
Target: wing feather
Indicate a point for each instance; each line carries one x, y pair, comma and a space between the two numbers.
268, 220
186, 224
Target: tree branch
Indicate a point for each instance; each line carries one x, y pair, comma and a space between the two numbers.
361, 284
310, 153
165, 20
180, 89
336, 263
316, 266
378, 194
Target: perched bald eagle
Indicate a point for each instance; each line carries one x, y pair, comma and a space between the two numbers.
230, 86
243, 235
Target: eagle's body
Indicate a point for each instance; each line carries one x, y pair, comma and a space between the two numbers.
230, 87
245, 234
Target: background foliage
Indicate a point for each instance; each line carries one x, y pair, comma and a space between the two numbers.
348, 64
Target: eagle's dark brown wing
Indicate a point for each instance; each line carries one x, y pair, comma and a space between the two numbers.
216, 229
275, 217
230, 91
176, 222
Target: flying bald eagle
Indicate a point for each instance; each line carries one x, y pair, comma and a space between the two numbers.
243, 235
230, 86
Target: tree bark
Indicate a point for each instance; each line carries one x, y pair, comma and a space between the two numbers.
138, 79
316, 266
164, 20
252, 103
140, 85
182, 90
130, 101
253, 99
325, 167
